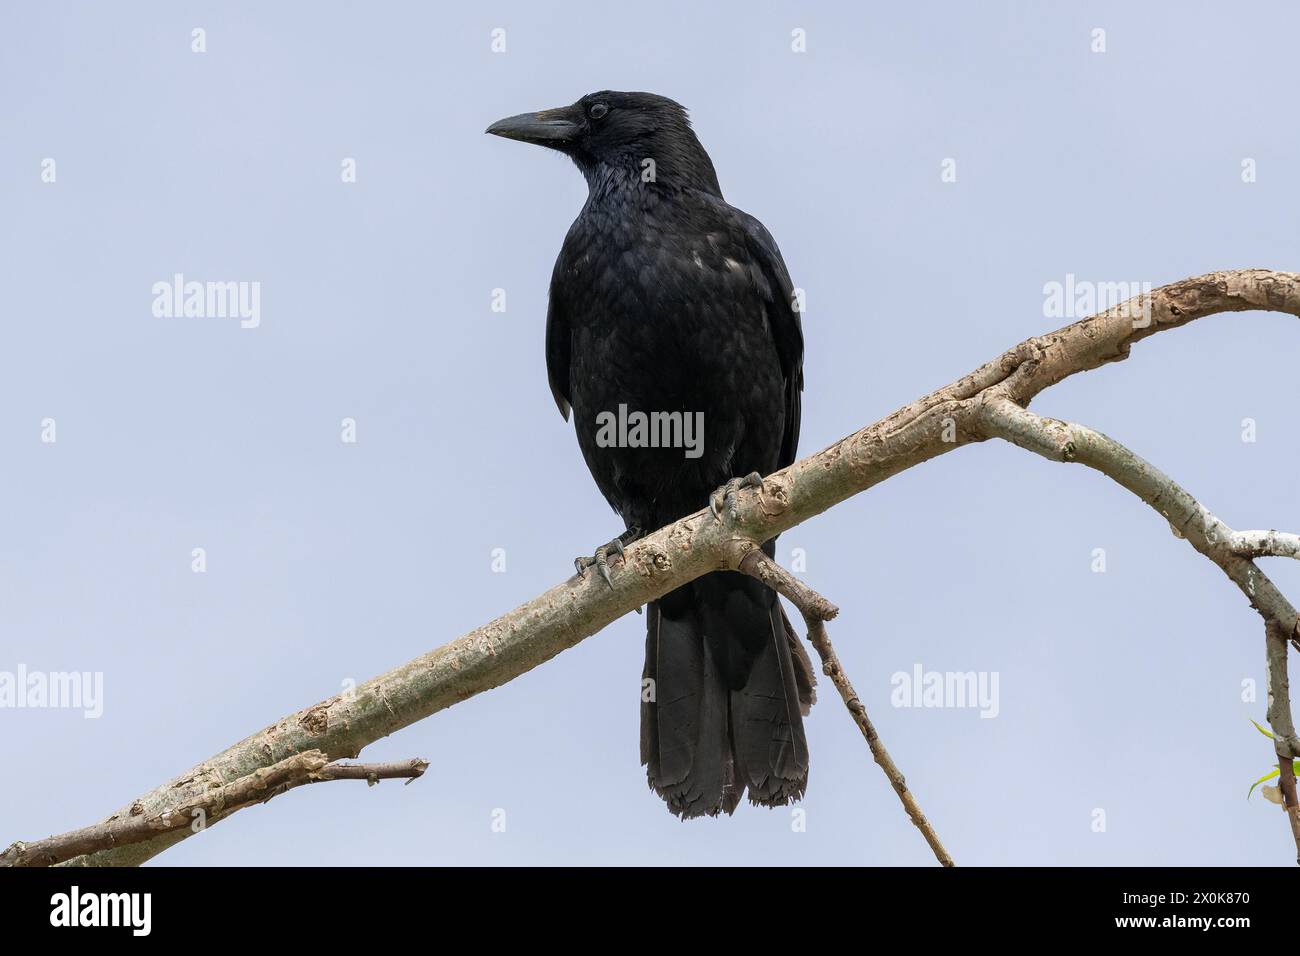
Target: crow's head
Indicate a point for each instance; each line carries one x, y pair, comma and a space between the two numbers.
641, 133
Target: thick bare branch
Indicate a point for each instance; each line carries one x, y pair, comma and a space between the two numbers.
570, 612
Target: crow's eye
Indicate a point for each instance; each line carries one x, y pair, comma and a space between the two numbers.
598, 111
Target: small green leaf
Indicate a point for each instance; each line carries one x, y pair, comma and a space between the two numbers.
1295, 768
1265, 732
1267, 776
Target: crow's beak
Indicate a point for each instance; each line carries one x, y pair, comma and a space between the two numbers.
554, 128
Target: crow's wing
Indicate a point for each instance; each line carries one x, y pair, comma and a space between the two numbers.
558, 344
782, 309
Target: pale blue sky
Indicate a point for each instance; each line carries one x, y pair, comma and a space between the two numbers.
328, 561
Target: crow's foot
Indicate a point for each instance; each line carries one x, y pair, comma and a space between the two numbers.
600, 560
725, 497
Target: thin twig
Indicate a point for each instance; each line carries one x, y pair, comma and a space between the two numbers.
1285, 742
816, 610
1286, 783
1266, 544
810, 604
835, 671
408, 770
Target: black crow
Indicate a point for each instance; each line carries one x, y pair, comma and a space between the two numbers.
672, 314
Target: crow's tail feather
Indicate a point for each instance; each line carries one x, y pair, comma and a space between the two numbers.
726, 686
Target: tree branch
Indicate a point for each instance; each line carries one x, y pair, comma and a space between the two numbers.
1266, 544
1285, 742
810, 604
261, 785
835, 671
372, 773
1189, 519
816, 610
697, 544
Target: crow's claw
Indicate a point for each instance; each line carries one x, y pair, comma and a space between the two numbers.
725, 497
600, 560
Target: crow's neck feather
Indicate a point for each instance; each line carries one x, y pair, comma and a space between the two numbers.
680, 165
